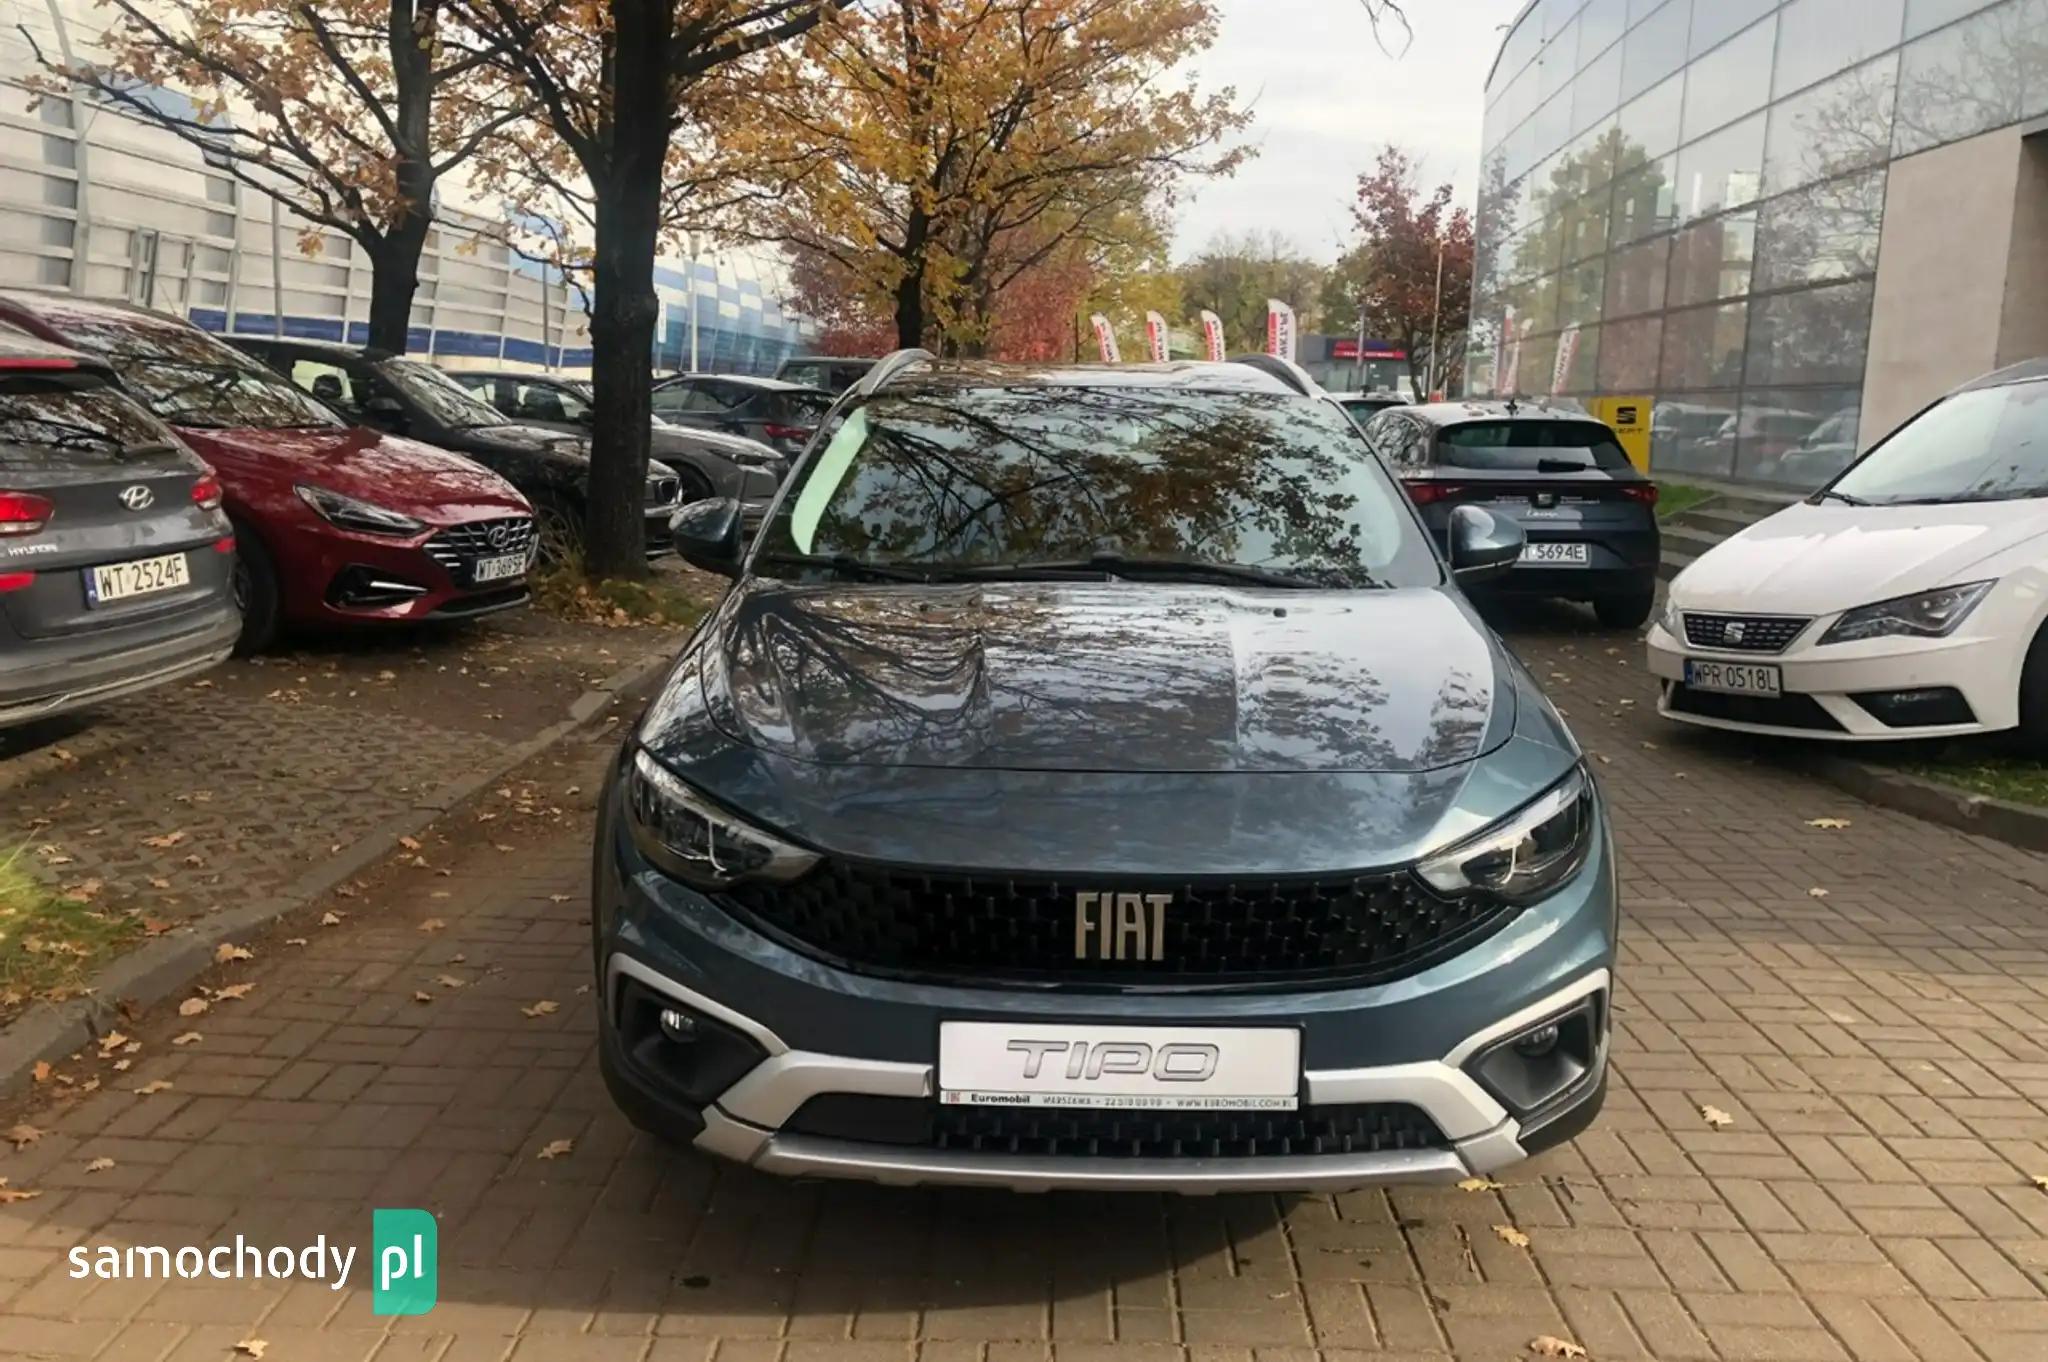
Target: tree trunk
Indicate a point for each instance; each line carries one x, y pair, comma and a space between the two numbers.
624, 307
910, 289
394, 280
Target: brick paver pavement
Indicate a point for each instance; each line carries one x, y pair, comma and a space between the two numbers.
1876, 1046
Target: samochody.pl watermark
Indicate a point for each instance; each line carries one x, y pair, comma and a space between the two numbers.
405, 1276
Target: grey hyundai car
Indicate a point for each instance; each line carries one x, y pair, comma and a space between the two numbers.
115, 557
1095, 777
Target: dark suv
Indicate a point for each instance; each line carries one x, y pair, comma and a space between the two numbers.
1590, 517
1094, 777
116, 562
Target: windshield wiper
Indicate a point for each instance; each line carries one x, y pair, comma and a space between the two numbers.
1163, 569
845, 565
1842, 497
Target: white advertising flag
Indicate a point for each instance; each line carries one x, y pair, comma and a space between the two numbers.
1106, 338
1567, 353
1280, 337
1212, 336
1156, 337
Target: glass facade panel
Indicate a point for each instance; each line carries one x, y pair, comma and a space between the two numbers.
1828, 231
1971, 77
1730, 82
1722, 171
1815, 336
1701, 228
1817, 38
1841, 125
1703, 347
1712, 260
1655, 47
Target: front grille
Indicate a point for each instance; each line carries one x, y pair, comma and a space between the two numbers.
1744, 633
906, 923
458, 549
663, 491
1117, 1134
1785, 711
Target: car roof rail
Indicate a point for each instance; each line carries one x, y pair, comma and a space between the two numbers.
888, 367
1286, 370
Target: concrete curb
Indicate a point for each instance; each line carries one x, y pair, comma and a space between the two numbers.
168, 964
2002, 820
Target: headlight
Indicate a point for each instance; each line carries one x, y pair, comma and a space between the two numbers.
1672, 621
1931, 614
685, 835
1525, 855
360, 516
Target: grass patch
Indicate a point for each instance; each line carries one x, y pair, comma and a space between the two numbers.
664, 599
52, 941
1675, 498
2020, 779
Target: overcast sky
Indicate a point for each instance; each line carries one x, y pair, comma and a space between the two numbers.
1326, 98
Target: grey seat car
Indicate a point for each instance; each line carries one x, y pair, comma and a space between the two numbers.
1094, 777
115, 557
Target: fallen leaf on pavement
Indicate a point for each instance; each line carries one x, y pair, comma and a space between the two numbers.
409, 843
448, 981
545, 1007
1827, 824
24, 1135
121, 1066
227, 953
558, 898
1716, 1117
420, 997
1479, 1185
192, 1007
256, 1347
188, 1038
111, 1042
2041, 1181
153, 1087
555, 1149
1816, 893
99, 1165
1547, 1346
432, 924
330, 919
159, 882
295, 941
10, 1195
156, 926
41, 1073
1510, 1235
167, 840
233, 992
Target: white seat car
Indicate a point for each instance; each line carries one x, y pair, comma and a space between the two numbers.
1904, 600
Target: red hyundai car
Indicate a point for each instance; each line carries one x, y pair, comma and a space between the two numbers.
334, 524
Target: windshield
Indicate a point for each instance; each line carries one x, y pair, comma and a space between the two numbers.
232, 393
445, 401
1529, 445
990, 478
80, 421
1987, 445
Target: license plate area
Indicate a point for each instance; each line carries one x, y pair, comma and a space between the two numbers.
1161, 1068
1734, 678
111, 582
498, 568
1554, 555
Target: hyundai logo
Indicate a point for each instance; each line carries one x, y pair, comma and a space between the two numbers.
137, 498
498, 536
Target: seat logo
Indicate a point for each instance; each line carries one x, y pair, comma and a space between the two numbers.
1733, 632
137, 498
1120, 926
1182, 1062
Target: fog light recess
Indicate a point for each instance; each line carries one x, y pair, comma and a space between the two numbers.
1546, 1062
692, 1057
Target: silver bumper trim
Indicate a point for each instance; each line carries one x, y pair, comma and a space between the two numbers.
745, 1123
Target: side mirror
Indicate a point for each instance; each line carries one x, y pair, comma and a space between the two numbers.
586, 417
384, 412
1483, 545
707, 535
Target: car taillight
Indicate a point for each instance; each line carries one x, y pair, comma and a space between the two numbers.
1644, 493
778, 432
206, 492
23, 513
226, 545
16, 581
1423, 492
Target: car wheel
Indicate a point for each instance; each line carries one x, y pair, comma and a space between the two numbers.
558, 528
1626, 612
2033, 731
256, 593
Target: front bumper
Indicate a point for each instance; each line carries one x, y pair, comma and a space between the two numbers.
1822, 685
337, 577
818, 1030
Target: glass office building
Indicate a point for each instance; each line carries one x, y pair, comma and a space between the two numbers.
1693, 202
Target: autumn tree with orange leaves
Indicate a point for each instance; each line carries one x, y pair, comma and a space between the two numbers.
347, 112
967, 142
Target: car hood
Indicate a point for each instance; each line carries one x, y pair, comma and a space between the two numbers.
1817, 559
1106, 677
403, 475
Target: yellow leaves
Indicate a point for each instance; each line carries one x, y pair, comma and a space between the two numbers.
1715, 1117
193, 1007
186, 1038
233, 992
1480, 1185
1547, 1346
165, 841
227, 953
99, 1165
1828, 824
1511, 1236
10, 1195
546, 1007
22, 1135
555, 1149
154, 1086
